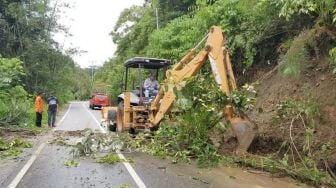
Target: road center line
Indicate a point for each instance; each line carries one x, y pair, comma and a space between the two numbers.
66, 113
26, 167
101, 128
132, 172
127, 165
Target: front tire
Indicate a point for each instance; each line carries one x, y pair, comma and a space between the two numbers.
131, 131
113, 127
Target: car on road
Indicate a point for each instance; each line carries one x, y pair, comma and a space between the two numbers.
98, 100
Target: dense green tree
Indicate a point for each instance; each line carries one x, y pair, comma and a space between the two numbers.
256, 31
26, 29
14, 104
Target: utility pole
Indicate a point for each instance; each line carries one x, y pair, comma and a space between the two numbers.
91, 66
91, 71
157, 18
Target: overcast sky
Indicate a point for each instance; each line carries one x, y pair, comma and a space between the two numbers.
90, 23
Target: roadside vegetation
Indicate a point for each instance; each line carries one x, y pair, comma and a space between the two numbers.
31, 61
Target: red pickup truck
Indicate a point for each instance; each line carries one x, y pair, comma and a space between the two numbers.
99, 100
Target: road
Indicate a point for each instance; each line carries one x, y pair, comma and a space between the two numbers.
48, 171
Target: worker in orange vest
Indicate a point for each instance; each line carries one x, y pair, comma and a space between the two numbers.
39, 108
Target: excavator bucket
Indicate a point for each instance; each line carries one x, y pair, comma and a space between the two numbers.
244, 133
243, 128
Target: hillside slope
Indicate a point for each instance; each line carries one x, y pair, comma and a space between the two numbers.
281, 112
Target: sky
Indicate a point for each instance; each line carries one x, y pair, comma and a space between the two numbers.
90, 23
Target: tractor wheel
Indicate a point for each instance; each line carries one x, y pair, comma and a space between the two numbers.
113, 127
131, 131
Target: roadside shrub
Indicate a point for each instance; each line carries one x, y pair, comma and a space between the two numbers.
303, 112
297, 55
332, 54
308, 107
14, 106
187, 139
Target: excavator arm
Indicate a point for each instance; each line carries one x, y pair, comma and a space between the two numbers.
218, 55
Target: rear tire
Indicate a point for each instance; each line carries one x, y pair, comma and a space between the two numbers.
152, 129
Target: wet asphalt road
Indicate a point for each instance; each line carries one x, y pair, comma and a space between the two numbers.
48, 170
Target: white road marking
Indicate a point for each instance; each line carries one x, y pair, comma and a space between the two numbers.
101, 128
127, 165
26, 167
63, 118
132, 172
66, 113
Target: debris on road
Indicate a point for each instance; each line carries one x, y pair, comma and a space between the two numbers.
88, 142
13, 148
110, 159
126, 186
199, 179
94, 142
71, 163
60, 141
14, 140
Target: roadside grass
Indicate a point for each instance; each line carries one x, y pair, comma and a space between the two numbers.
297, 56
310, 175
29, 124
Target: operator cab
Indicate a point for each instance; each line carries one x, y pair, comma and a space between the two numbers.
137, 70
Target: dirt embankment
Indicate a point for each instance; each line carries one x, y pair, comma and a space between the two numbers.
317, 79
12, 133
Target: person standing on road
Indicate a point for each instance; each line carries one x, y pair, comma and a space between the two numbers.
52, 110
39, 108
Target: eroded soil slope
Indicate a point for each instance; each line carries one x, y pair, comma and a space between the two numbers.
316, 80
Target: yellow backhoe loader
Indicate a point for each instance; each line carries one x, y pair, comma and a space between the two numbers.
138, 112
